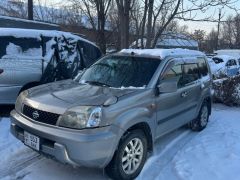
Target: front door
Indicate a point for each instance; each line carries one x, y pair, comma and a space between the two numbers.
177, 108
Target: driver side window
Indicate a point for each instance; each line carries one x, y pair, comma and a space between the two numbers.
174, 72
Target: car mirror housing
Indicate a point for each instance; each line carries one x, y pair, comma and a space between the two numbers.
167, 86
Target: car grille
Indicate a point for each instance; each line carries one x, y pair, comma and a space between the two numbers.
40, 116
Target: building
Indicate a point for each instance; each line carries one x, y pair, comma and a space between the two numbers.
11, 22
171, 40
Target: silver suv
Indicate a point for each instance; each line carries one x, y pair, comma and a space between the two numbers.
111, 114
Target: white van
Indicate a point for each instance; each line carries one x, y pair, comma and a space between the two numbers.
32, 57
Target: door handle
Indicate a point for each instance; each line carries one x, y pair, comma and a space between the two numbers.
1, 71
184, 94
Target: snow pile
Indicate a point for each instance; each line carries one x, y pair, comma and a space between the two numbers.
130, 87
8, 143
163, 53
211, 154
227, 90
236, 94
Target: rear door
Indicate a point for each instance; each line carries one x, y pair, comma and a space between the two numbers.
192, 88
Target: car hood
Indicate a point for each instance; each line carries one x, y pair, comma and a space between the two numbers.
66, 94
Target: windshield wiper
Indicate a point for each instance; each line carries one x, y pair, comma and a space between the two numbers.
97, 83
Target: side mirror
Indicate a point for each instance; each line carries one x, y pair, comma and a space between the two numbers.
167, 86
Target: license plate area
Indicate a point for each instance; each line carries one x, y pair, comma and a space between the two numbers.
31, 140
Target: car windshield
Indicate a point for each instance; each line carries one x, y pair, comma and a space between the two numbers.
217, 60
120, 71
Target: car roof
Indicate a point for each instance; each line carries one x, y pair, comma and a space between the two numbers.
162, 53
225, 58
32, 33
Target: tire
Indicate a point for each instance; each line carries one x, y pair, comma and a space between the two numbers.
201, 121
118, 167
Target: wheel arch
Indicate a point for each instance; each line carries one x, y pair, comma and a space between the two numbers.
29, 85
143, 126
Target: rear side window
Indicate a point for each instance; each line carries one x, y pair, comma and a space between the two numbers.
203, 69
217, 60
190, 73
231, 62
22, 48
234, 63
90, 53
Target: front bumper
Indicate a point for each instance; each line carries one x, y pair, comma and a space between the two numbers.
88, 147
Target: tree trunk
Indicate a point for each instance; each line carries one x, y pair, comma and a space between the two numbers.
123, 13
144, 22
149, 25
101, 26
30, 9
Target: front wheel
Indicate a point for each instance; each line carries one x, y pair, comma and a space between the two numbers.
201, 121
130, 156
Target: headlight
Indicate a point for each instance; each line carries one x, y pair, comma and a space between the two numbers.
81, 117
19, 101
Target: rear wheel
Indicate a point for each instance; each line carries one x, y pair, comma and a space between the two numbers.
130, 156
201, 121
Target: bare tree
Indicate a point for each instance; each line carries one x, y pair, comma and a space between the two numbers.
162, 12
149, 24
136, 17
199, 36
124, 7
15, 8
96, 11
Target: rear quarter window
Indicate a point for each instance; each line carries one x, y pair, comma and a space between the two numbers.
20, 47
203, 69
190, 73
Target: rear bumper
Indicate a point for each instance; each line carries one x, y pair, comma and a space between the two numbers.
89, 147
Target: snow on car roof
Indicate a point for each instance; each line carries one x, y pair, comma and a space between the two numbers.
163, 53
225, 58
32, 33
227, 50
231, 52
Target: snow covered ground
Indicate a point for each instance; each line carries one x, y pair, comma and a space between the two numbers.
211, 154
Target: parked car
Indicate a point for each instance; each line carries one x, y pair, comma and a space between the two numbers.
110, 115
224, 65
32, 57
231, 52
